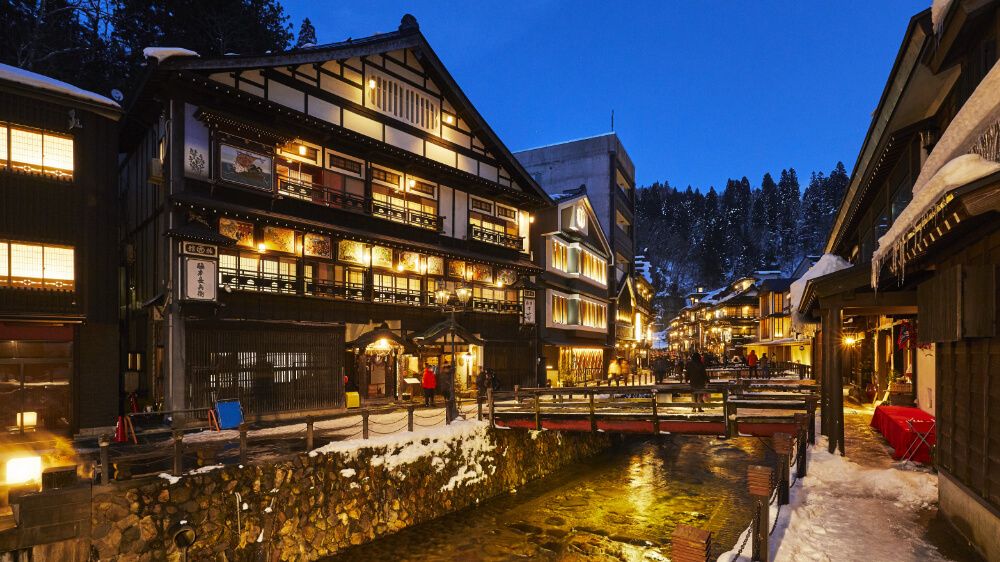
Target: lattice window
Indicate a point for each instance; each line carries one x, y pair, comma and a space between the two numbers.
593, 267
36, 152
560, 255
35, 266
404, 102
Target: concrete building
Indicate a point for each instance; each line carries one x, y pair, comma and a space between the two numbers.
602, 165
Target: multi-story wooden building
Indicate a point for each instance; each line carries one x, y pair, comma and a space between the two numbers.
601, 164
59, 358
573, 327
291, 216
775, 334
919, 223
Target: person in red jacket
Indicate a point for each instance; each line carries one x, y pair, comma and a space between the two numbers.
752, 363
428, 382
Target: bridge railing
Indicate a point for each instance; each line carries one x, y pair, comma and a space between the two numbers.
636, 409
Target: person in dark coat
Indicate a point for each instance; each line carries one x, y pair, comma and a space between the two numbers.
428, 383
660, 369
697, 377
481, 383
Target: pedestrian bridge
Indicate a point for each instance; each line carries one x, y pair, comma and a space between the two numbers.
730, 410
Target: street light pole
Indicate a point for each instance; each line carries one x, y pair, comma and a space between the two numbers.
452, 369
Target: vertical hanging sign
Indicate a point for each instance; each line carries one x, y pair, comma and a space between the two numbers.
528, 308
200, 279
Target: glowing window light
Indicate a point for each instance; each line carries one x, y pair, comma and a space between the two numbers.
30, 419
24, 470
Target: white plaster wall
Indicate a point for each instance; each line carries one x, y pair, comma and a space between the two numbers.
926, 380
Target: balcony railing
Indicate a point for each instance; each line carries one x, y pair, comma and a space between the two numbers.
321, 195
335, 289
253, 281
489, 305
398, 296
407, 216
494, 237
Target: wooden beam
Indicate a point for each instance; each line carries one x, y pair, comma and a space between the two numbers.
883, 303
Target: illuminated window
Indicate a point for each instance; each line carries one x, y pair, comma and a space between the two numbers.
593, 267
559, 312
36, 267
36, 152
560, 254
593, 315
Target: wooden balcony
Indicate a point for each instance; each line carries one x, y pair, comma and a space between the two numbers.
407, 216
493, 237
322, 195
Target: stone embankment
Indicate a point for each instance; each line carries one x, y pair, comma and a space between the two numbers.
319, 503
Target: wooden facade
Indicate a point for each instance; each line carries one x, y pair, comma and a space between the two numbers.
933, 319
58, 257
573, 299
325, 191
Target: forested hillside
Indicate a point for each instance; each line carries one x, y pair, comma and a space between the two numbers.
695, 239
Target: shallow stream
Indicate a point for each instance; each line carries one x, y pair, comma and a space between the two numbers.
623, 504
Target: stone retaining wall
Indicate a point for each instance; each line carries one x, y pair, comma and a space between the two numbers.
319, 503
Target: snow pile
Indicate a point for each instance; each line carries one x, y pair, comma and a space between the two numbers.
163, 53
469, 439
347, 473
170, 478
858, 513
20, 76
948, 166
826, 265
205, 469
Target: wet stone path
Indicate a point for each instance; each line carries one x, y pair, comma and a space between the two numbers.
622, 505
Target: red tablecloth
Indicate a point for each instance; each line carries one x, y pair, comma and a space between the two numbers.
890, 421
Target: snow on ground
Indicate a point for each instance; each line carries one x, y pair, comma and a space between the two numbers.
826, 265
163, 53
843, 511
33, 80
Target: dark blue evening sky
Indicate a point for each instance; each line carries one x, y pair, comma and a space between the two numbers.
702, 91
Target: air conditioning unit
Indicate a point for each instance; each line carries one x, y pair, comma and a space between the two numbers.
154, 172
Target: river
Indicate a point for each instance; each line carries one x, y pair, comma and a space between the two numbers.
622, 504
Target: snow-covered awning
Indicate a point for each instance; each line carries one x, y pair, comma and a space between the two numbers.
826, 265
163, 53
965, 153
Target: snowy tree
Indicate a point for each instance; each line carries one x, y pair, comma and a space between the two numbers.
307, 34
789, 246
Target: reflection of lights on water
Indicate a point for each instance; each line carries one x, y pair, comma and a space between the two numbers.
24, 470
644, 482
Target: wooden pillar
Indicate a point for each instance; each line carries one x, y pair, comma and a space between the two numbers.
489, 397
837, 382
538, 413
759, 484
409, 416
178, 452
824, 372
105, 443
364, 423
243, 442
783, 446
656, 417
593, 414
309, 433
690, 544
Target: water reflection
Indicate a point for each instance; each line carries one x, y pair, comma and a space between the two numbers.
622, 505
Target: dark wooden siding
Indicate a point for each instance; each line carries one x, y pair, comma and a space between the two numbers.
81, 213
968, 389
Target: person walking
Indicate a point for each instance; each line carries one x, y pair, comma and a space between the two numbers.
660, 369
428, 383
614, 370
697, 377
752, 363
765, 364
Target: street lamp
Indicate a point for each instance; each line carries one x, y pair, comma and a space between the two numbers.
451, 302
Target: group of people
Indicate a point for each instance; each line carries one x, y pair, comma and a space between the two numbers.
674, 365
429, 382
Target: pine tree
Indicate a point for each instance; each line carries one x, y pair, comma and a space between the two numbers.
789, 245
710, 256
813, 216
307, 35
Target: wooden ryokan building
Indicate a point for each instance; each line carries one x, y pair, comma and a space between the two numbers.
927, 183
59, 361
290, 217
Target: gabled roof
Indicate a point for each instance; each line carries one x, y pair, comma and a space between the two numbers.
20, 80
408, 36
580, 194
775, 285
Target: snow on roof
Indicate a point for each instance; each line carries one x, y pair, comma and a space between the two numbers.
30, 79
163, 53
826, 265
960, 171
949, 165
939, 9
